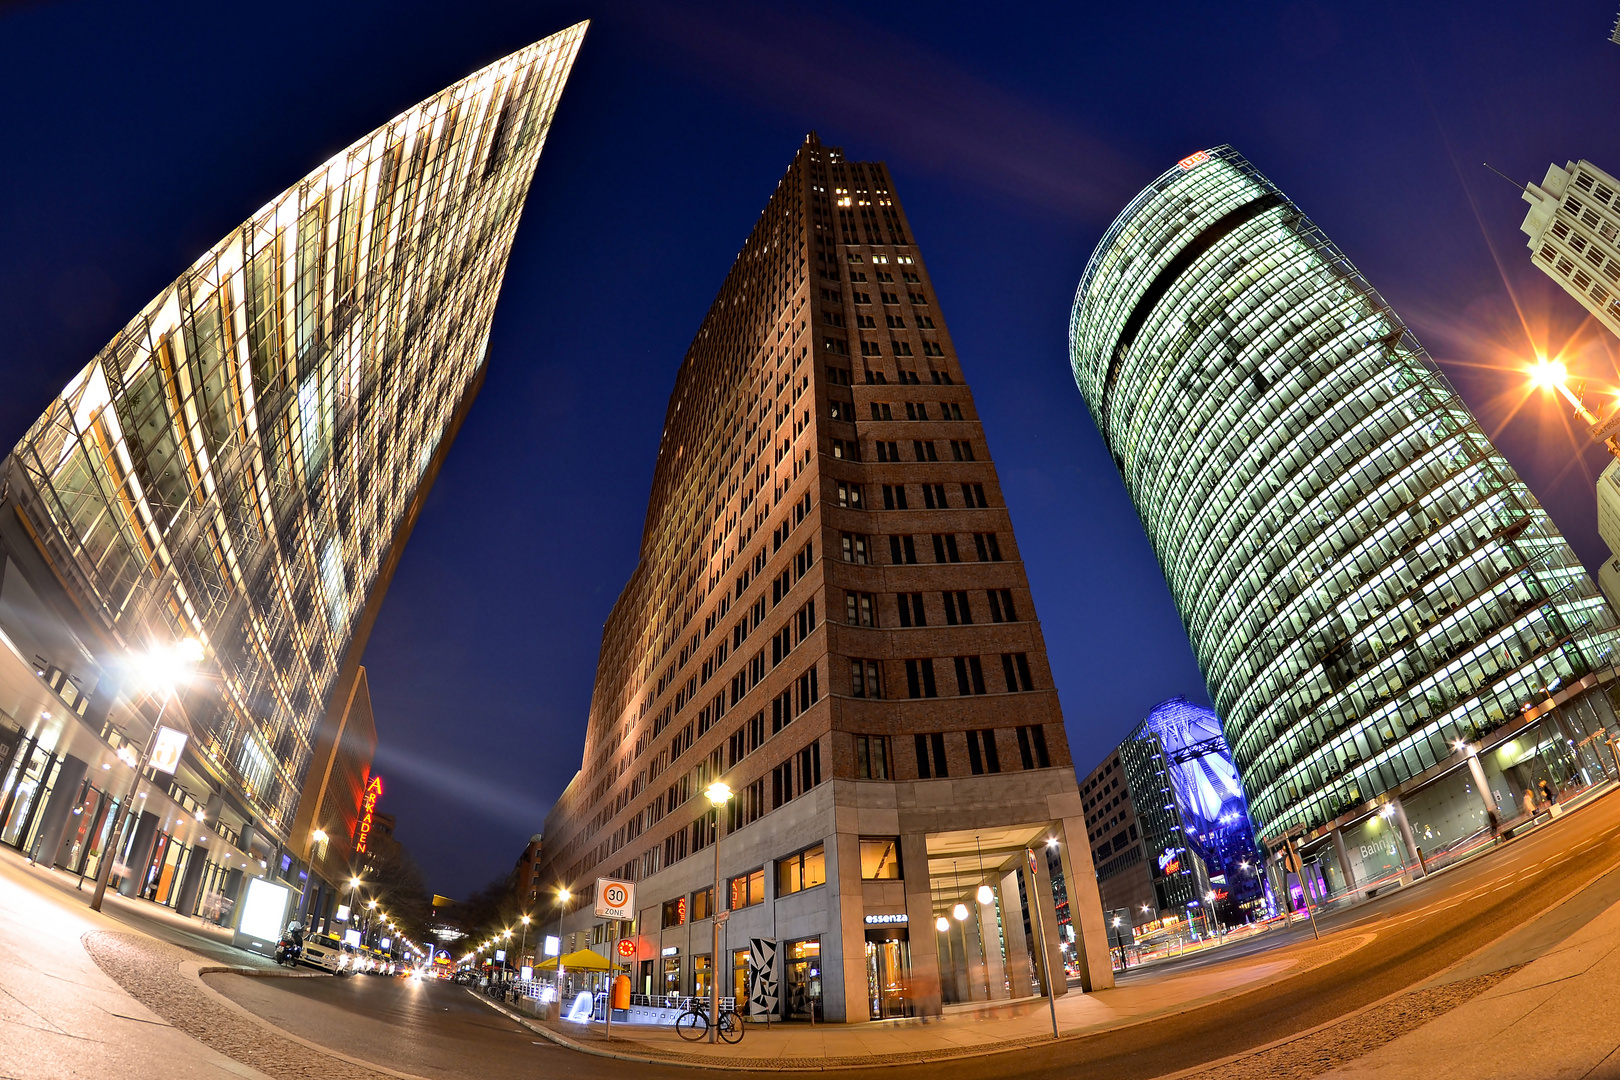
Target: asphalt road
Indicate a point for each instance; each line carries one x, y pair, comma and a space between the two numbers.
423, 1026
1508, 906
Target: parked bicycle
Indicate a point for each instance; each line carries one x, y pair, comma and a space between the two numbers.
693, 1024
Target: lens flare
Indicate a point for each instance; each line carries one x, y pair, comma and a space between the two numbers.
1548, 374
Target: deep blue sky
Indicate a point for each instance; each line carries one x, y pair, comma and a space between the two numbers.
136, 136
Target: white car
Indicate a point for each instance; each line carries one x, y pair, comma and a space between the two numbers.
325, 951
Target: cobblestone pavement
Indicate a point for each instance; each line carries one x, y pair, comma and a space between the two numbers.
1321, 1051
149, 971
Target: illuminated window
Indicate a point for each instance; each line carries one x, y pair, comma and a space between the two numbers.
880, 858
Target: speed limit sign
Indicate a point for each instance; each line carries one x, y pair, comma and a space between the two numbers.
615, 899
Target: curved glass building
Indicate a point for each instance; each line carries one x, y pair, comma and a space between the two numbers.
241, 465
1366, 582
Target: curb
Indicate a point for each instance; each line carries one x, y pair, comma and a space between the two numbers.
260, 973
910, 1057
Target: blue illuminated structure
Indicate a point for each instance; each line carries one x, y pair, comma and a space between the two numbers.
1209, 797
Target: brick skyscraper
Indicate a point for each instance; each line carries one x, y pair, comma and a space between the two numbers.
831, 616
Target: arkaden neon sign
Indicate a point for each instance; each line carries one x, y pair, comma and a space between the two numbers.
362, 831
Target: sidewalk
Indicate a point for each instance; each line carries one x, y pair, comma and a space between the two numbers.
1557, 1017
60, 1015
985, 1030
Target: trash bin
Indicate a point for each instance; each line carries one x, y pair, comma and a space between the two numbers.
621, 992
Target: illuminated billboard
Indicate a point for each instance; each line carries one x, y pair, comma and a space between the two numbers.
1209, 797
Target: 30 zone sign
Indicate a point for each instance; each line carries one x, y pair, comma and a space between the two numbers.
615, 899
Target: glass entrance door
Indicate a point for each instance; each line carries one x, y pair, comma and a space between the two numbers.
888, 972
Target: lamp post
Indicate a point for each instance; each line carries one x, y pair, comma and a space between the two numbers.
523, 948
562, 907
719, 794
164, 667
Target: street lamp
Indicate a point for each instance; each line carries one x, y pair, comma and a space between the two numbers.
160, 668
563, 896
524, 946
719, 794
1548, 374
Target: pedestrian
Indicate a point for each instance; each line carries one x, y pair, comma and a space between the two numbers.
1496, 823
1549, 794
1529, 803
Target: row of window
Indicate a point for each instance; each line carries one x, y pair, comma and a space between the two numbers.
867, 681
983, 751
913, 410
862, 609
858, 548
880, 861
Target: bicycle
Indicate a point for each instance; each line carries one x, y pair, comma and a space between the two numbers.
693, 1024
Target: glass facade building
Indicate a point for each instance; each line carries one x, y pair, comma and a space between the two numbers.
1364, 579
243, 461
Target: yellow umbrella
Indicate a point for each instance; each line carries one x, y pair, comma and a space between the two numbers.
584, 960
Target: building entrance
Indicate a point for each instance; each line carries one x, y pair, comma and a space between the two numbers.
888, 973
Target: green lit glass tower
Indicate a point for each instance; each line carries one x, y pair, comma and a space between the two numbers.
241, 465
1375, 598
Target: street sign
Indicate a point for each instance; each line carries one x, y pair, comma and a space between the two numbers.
615, 899
167, 749
627, 947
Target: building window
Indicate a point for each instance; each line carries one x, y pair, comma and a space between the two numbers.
924, 450
920, 679
934, 497
1015, 666
969, 676
805, 870
887, 451
849, 495
902, 550
973, 497
1032, 747
748, 890
871, 757
987, 546
860, 609
894, 497
863, 679
703, 904
880, 858
945, 548
909, 606
1001, 605
982, 756
675, 912
961, 450
957, 611
931, 756
855, 548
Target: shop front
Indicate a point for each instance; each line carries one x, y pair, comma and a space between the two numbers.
803, 976
888, 972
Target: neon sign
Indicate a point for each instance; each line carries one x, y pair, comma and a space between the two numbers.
362, 831
1191, 160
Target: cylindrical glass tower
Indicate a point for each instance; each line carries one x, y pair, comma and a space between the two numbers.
1364, 578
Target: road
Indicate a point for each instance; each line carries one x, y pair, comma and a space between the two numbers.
423, 1026
1517, 900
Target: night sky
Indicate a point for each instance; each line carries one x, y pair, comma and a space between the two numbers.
135, 136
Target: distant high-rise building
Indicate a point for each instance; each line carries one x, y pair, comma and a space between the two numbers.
1370, 590
1169, 822
241, 466
831, 616
1574, 225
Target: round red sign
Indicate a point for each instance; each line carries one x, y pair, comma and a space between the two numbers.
627, 947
